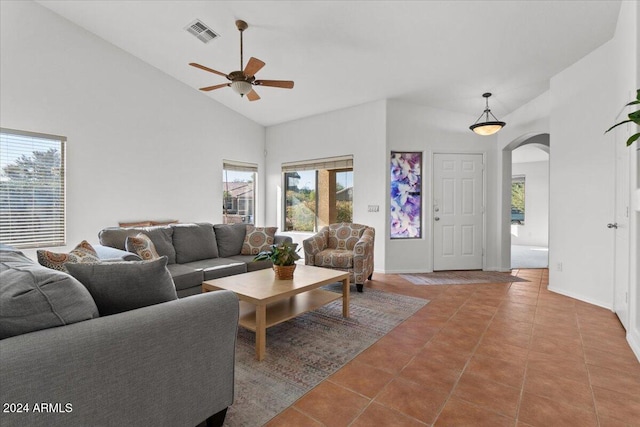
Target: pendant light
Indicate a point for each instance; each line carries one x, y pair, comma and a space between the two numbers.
488, 127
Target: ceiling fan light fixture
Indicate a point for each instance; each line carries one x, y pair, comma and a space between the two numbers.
241, 87
488, 127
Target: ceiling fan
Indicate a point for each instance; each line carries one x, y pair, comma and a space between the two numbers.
242, 82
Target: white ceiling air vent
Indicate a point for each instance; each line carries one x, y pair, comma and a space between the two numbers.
201, 31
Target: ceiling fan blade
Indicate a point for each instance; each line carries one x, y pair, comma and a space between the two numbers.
208, 88
253, 95
253, 66
211, 70
285, 84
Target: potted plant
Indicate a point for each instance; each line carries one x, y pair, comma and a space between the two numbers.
283, 256
634, 117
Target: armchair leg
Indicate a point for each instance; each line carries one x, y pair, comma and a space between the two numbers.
370, 276
217, 419
359, 287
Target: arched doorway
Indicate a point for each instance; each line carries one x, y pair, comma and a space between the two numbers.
528, 231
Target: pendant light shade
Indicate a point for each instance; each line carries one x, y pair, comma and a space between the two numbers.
487, 127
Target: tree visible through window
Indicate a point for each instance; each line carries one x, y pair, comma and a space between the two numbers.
517, 200
32, 189
318, 193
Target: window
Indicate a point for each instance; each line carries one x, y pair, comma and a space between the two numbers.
318, 193
517, 200
32, 189
238, 190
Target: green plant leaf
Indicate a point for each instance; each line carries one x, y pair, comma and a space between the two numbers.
618, 124
633, 138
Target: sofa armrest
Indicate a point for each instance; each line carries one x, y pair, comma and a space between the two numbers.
314, 244
165, 365
107, 253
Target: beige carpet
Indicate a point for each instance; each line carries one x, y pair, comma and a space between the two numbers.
460, 278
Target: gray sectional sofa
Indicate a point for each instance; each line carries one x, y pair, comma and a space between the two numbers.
195, 251
62, 363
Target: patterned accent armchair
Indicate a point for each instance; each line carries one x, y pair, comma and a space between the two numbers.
344, 246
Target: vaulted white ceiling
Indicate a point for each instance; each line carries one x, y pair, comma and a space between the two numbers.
443, 54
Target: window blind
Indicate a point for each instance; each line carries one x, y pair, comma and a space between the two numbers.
32, 189
330, 163
239, 166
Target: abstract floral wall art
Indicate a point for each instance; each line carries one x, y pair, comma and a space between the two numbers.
406, 195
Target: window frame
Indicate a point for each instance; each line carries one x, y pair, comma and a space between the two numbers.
55, 234
519, 179
331, 164
237, 166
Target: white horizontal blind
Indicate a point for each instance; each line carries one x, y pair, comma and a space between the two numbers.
330, 163
32, 189
230, 165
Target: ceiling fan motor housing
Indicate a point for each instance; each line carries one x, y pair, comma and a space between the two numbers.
235, 76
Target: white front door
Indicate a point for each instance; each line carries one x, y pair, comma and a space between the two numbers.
621, 229
457, 211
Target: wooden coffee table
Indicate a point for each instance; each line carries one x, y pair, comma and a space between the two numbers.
266, 301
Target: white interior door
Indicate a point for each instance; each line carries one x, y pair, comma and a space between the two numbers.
621, 230
458, 196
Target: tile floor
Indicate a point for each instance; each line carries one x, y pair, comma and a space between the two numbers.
512, 354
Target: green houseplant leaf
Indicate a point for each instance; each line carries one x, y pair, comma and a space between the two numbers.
634, 117
281, 254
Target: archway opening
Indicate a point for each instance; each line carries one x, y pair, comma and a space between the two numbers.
525, 202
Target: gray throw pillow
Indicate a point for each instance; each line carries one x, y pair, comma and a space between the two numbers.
161, 237
230, 238
194, 242
123, 286
33, 297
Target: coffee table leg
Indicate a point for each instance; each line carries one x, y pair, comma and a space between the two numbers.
345, 297
261, 331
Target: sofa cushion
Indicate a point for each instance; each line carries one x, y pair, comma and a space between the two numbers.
83, 253
334, 258
215, 268
258, 239
161, 237
230, 238
123, 286
185, 277
33, 297
141, 245
251, 264
194, 242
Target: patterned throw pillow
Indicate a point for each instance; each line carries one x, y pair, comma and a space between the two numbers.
258, 239
141, 245
81, 254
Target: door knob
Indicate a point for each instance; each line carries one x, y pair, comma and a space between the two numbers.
437, 218
614, 225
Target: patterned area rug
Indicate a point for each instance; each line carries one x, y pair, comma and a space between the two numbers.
307, 349
460, 278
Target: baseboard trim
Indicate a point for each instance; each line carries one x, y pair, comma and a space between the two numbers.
580, 297
633, 338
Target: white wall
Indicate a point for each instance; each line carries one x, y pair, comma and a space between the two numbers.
359, 131
535, 230
412, 127
141, 145
586, 97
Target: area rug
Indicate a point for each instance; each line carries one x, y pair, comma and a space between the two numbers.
307, 349
460, 278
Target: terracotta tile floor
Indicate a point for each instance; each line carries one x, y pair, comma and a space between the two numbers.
508, 354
